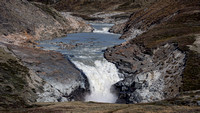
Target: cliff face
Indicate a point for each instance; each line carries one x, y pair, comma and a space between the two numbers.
161, 62
63, 81
31, 75
148, 77
23, 22
27, 76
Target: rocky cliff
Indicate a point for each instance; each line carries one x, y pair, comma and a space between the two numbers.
27, 76
31, 75
160, 63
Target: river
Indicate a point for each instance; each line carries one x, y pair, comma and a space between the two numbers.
86, 51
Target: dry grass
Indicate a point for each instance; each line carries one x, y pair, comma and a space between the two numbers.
91, 107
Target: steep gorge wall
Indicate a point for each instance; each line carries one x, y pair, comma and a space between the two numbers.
158, 64
147, 77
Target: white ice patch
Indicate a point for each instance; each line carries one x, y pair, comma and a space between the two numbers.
101, 78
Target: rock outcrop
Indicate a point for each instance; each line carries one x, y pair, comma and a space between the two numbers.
76, 23
18, 83
53, 68
22, 22
159, 64
28, 76
148, 77
117, 28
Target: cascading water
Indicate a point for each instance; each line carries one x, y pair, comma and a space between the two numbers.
104, 30
101, 77
85, 50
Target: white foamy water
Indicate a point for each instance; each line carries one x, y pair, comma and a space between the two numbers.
103, 30
101, 78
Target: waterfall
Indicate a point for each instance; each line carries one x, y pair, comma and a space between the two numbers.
101, 77
87, 55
